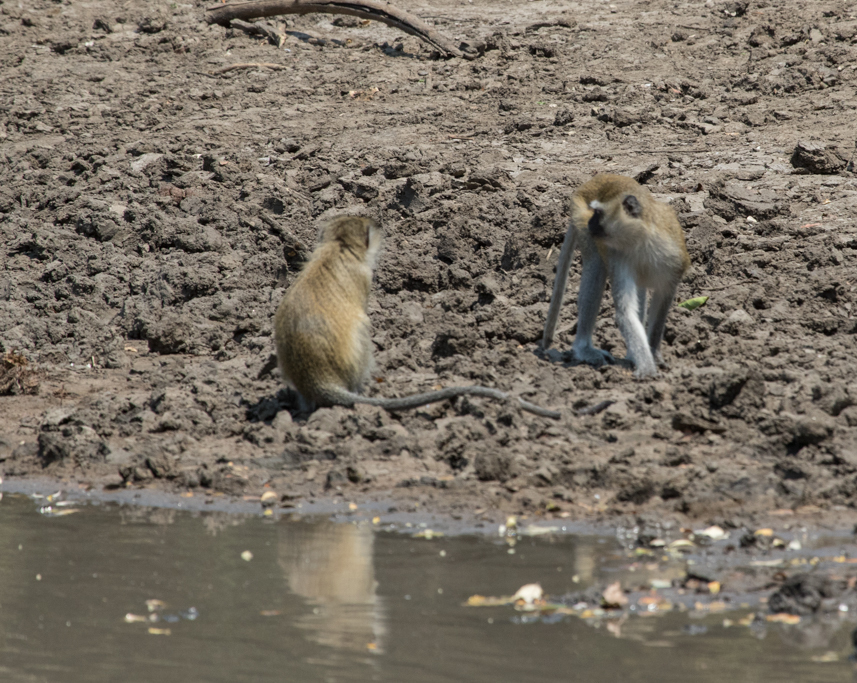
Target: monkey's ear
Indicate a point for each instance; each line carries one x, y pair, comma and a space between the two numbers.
632, 205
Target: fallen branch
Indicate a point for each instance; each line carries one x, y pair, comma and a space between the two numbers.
375, 10
597, 408
260, 29
249, 65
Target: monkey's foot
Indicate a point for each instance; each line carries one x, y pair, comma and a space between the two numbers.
592, 356
645, 370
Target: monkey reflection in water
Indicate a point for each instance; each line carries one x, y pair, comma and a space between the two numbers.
331, 565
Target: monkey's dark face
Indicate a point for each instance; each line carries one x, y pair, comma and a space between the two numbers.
617, 222
596, 223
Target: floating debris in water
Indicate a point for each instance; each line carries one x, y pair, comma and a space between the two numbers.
50, 511
715, 533
153, 604
428, 534
529, 593
246, 556
533, 530
614, 597
826, 658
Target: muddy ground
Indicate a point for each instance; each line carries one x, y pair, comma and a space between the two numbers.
154, 211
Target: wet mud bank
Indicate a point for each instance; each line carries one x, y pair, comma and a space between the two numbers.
154, 211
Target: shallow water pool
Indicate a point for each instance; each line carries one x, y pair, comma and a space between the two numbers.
125, 593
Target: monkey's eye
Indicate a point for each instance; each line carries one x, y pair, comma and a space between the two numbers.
632, 206
368, 235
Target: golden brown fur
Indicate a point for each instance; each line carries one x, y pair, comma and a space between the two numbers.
623, 233
322, 332
321, 329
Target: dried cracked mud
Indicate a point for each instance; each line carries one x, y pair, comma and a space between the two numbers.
155, 209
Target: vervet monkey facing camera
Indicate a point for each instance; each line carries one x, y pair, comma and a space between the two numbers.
623, 232
322, 331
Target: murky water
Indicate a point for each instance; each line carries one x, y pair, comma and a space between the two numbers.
243, 598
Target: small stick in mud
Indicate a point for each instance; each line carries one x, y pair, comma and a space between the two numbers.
248, 65
322, 332
260, 28
375, 10
624, 232
595, 409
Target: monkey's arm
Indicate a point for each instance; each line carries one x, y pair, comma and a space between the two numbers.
417, 400
593, 277
559, 283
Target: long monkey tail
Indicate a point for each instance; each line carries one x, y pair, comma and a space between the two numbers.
562, 268
348, 398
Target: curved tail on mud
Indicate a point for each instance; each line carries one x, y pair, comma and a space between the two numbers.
347, 398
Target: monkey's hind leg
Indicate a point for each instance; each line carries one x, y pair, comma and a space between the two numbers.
593, 277
658, 310
627, 301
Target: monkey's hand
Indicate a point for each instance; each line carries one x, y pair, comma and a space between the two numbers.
587, 353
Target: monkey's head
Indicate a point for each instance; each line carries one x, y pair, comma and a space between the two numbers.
360, 235
617, 220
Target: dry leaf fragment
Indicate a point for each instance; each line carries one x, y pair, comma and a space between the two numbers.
484, 601
16, 377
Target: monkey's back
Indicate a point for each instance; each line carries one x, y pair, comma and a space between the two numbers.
321, 329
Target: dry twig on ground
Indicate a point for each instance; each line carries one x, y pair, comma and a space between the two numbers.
376, 10
260, 29
248, 65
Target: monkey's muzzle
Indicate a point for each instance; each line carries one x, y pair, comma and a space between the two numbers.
596, 223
